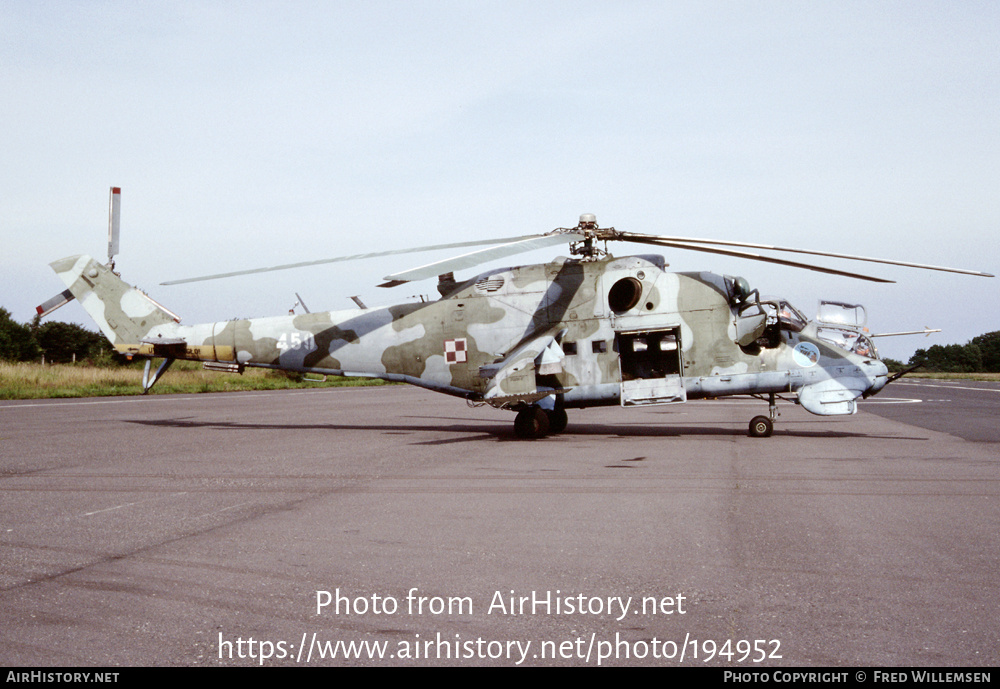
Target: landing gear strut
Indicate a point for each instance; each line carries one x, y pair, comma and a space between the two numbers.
149, 381
763, 426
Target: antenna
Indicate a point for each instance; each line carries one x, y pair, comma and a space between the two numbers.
114, 213
302, 303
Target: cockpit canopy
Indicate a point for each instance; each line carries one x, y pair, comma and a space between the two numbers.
843, 325
837, 323
839, 313
782, 312
848, 339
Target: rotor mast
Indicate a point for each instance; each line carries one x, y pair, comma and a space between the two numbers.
591, 232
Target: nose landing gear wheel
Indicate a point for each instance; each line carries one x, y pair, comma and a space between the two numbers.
761, 427
531, 423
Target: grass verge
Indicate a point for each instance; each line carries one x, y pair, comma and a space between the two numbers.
23, 381
954, 376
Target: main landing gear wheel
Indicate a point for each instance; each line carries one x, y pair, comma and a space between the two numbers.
531, 423
761, 427
557, 420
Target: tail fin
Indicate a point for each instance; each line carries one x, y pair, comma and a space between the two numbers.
123, 313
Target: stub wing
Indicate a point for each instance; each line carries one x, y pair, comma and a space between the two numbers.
513, 379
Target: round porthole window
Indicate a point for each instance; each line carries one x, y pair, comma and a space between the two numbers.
624, 294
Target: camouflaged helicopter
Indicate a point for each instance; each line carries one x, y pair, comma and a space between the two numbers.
537, 339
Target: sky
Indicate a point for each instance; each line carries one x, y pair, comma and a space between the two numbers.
247, 134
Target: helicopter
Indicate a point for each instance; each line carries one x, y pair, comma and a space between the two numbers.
587, 330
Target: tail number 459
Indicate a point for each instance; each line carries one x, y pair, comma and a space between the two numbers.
296, 341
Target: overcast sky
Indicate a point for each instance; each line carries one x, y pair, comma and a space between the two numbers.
245, 134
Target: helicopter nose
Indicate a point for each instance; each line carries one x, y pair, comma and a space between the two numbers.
877, 374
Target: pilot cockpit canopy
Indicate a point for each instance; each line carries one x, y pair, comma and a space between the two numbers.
787, 315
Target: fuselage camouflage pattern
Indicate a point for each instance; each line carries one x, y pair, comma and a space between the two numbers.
570, 333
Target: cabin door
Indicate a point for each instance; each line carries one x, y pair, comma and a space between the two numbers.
651, 367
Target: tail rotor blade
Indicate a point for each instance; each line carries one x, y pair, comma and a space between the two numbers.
114, 215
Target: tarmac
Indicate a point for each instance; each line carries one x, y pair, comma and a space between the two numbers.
393, 526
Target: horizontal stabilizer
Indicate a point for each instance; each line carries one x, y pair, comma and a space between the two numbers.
163, 346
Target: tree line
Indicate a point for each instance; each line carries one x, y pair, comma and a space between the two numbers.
59, 343
980, 355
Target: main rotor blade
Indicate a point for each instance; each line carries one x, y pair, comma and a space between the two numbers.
303, 264
475, 258
633, 237
662, 241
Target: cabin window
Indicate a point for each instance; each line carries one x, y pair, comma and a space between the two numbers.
599, 346
650, 354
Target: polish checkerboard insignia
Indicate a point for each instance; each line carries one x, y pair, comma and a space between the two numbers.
456, 351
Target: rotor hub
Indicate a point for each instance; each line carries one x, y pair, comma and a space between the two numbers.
589, 228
